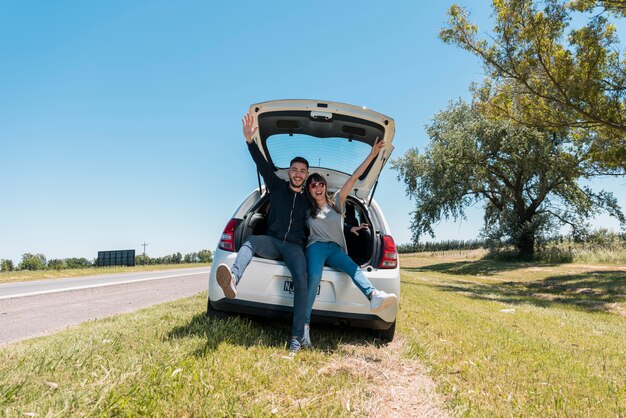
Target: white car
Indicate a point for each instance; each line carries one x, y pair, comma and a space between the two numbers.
335, 138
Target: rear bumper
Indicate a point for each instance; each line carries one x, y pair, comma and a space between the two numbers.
280, 312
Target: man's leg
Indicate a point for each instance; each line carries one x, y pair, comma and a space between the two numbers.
263, 245
296, 263
228, 278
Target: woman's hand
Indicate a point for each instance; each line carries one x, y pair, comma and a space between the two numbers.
345, 189
355, 229
248, 127
378, 145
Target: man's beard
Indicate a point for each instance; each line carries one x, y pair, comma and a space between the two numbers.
295, 186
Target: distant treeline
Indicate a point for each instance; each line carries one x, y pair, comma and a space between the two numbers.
441, 246
39, 261
202, 256
601, 238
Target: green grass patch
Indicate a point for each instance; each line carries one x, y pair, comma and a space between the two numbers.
170, 360
498, 339
519, 339
28, 275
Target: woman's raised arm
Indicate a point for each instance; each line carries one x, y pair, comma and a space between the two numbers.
345, 190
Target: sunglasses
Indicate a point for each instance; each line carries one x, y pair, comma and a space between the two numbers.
315, 184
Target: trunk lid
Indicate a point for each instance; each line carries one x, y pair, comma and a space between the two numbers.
334, 137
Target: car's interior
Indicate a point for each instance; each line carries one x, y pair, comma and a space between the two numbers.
360, 247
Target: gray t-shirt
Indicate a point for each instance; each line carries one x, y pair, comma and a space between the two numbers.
327, 226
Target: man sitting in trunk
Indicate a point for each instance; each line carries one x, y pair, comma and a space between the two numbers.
285, 232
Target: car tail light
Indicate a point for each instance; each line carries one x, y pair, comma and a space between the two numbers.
389, 260
227, 241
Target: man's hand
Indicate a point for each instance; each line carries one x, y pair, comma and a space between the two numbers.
248, 127
355, 229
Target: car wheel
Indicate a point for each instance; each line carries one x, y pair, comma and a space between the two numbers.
386, 335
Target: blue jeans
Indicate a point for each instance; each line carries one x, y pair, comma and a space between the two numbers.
273, 248
331, 254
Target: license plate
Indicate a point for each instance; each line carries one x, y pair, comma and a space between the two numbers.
288, 287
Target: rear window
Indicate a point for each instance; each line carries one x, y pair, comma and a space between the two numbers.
338, 154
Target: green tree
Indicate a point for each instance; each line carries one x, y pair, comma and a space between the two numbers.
6, 265
546, 73
191, 258
77, 263
32, 262
143, 260
616, 7
167, 259
526, 179
57, 264
177, 258
205, 256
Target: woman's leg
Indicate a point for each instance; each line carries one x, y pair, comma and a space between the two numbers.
342, 261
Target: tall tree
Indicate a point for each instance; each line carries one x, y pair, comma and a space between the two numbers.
6, 265
526, 179
177, 258
78, 263
143, 260
205, 256
57, 264
546, 73
32, 262
190, 258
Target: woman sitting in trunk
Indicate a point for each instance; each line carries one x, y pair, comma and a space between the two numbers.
327, 244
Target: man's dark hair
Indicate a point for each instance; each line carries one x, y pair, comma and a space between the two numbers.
300, 160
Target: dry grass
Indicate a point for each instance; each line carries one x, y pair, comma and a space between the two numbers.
395, 386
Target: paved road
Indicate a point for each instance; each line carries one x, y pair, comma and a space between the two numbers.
31, 309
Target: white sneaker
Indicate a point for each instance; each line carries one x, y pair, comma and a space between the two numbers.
226, 280
380, 300
306, 339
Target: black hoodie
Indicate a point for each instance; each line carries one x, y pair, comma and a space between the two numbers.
287, 208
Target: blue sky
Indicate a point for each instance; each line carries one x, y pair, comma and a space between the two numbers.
120, 121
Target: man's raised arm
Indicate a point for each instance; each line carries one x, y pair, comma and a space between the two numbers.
264, 167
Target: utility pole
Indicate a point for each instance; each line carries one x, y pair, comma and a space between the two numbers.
144, 245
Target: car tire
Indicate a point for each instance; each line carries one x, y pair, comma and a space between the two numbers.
386, 335
213, 313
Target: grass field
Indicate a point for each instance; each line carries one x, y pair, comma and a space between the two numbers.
170, 360
475, 338
518, 339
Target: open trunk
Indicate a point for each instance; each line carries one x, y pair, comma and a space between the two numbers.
360, 248
333, 137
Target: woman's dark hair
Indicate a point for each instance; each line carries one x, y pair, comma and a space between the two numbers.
312, 204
